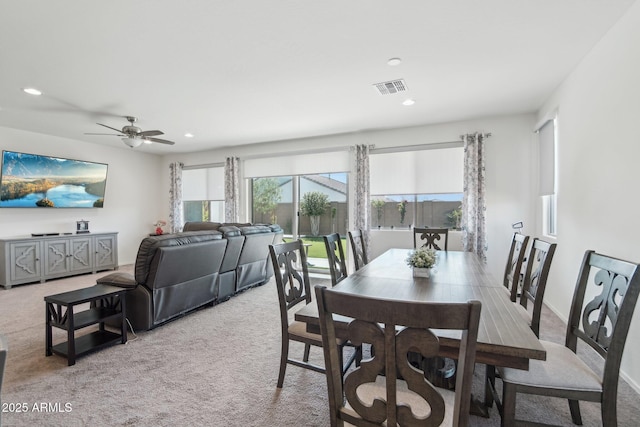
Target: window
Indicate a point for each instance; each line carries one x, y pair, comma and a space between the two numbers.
278, 185
280, 199
548, 137
203, 194
417, 188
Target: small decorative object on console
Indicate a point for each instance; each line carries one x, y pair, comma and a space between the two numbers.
82, 226
421, 260
159, 224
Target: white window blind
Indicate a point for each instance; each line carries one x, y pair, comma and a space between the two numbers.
203, 184
429, 171
299, 164
546, 136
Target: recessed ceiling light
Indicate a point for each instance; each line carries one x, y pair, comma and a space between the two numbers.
394, 61
188, 135
408, 102
32, 91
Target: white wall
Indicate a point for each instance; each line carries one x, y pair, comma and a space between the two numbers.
599, 147
132, 201
508, 169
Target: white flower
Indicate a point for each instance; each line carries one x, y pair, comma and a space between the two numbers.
422, 258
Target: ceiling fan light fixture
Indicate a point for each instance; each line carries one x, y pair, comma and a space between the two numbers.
132, 142
146, 141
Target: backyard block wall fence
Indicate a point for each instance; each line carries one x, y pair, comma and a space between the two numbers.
428, 213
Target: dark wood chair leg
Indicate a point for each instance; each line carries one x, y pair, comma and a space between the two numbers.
307, 349
284, 355
574, 407
508, 418
609, 414
489, 385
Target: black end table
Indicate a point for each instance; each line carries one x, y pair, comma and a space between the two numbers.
106, 303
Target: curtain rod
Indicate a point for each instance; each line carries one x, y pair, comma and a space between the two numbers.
416, 147
372, 150
208, 165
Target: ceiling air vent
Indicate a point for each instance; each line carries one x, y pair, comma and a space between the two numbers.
391, 87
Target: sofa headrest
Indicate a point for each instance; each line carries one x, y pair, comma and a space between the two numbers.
150, 245
255, 229
200, 225
230, 230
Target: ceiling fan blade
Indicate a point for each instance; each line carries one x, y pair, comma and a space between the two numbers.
151, 133
109, 127
111, 134
161, 141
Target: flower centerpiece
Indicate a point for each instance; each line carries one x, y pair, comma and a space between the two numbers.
421, 261
159, 224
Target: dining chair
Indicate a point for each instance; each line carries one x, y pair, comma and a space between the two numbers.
294, 288
603, 324
534, 285
386, 389
359, 248
535, 281
335, 256
429, 237
512, 272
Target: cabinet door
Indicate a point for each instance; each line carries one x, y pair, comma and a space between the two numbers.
55, 256
25, 261
106, 255
80, 254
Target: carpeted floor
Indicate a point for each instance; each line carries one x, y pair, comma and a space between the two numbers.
215, 367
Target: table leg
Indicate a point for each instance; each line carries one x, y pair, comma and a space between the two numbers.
71, 341
48, 333
478, 408
123, 310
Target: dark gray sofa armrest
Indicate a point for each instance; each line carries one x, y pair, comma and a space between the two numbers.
121, 280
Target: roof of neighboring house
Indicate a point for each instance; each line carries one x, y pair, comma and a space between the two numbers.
340, 187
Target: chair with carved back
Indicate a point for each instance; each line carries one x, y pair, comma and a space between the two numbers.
430, 238
602, 324
512, 272
293, 289
359, 248
534, 285
535, 281
336, 258
386, 389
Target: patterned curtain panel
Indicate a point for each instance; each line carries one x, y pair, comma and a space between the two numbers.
231, 190
175, 197
474, 238
362, 192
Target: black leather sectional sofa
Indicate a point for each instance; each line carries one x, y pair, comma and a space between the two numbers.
204, 264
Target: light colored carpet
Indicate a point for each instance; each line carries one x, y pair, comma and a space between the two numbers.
214, 367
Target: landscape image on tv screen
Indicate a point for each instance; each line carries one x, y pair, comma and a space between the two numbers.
35, 181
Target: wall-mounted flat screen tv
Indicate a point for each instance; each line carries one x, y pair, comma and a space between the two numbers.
35, 181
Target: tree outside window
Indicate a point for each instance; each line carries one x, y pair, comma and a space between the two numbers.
266, 196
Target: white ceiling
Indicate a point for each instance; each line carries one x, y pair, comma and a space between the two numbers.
240, 72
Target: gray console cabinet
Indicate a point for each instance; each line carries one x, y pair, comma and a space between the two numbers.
36, 259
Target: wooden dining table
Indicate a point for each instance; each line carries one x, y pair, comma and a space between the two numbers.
504, 336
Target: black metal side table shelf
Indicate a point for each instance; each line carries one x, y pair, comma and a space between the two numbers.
106, 303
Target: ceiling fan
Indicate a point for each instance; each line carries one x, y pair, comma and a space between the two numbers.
133, 136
